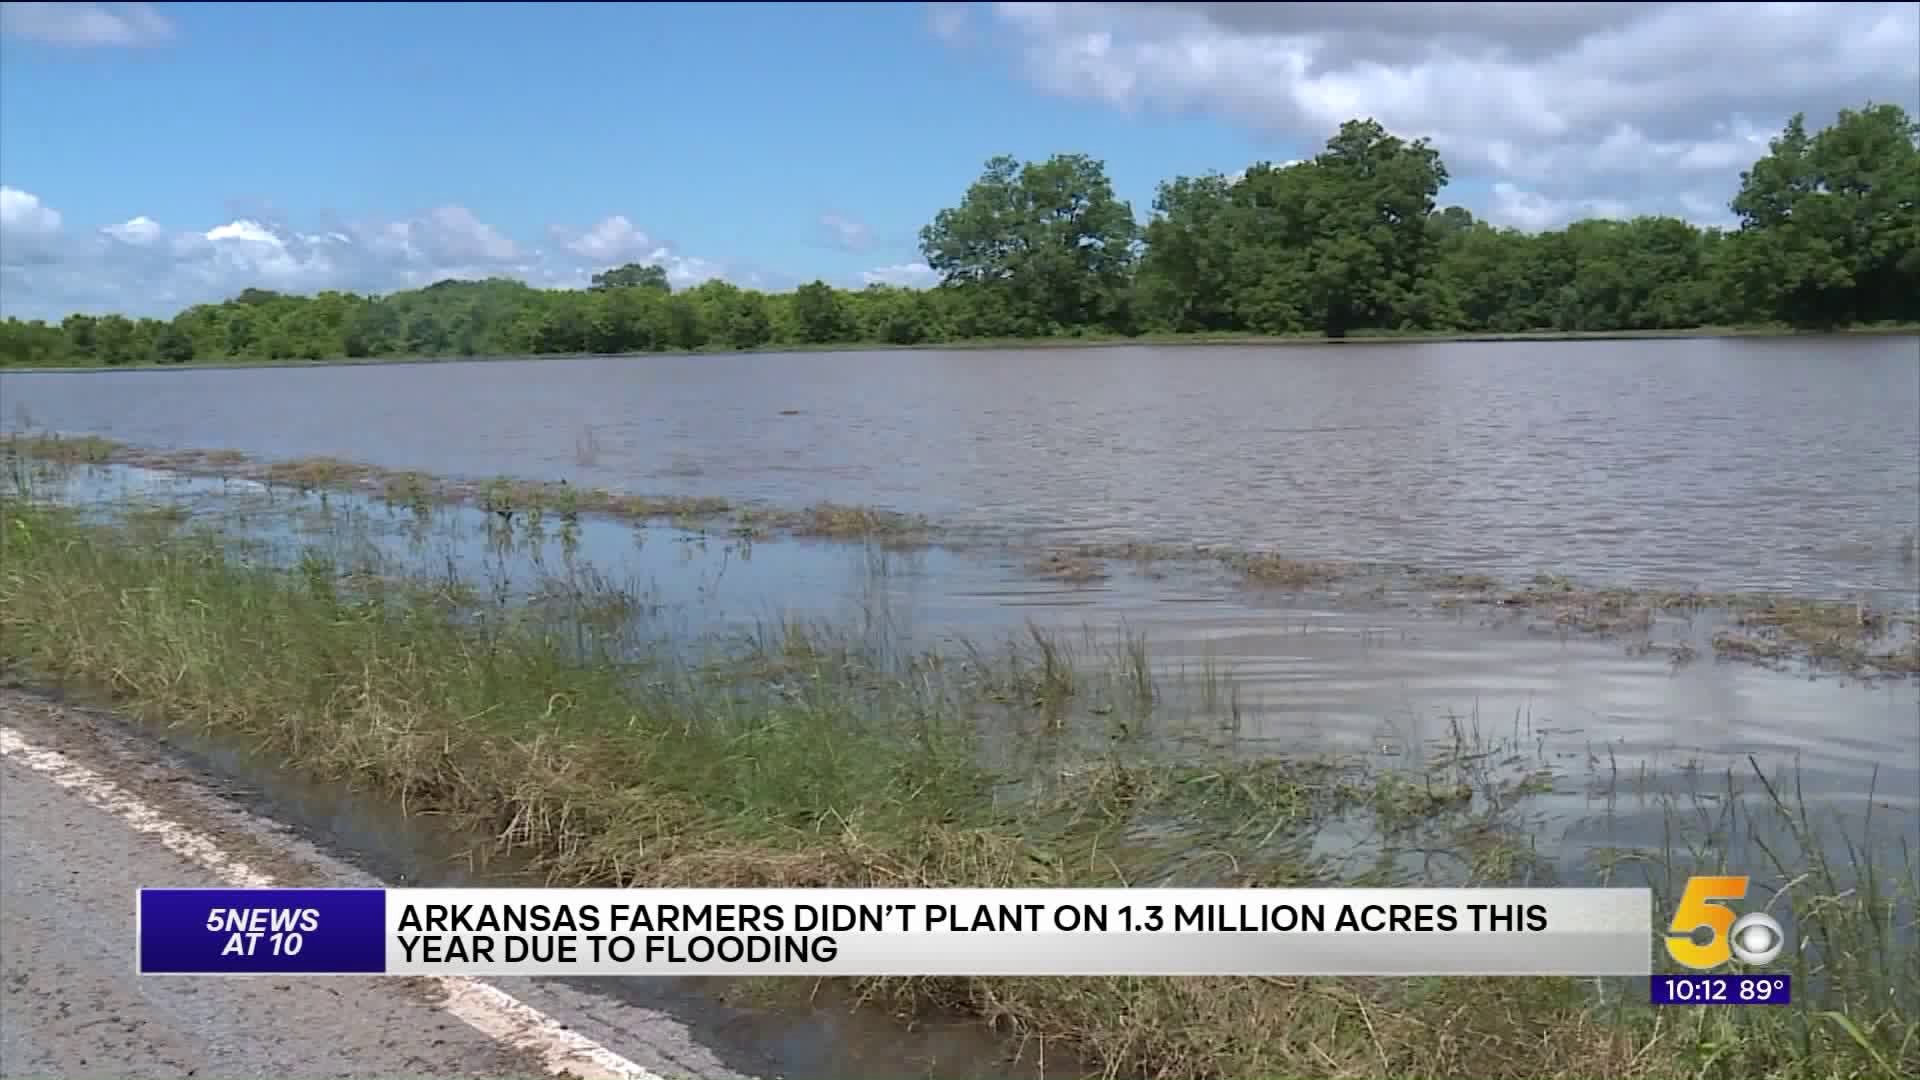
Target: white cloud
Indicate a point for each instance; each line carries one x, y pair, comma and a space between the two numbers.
453, 233
141, 230
846, 233
912, 275
245, 232
29, 236
616, 240
141, 267
1533, 211
683, 271
1624, 105
1699, 207
85, 24
21, 214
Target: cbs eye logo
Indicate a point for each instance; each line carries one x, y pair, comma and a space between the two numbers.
1754, 938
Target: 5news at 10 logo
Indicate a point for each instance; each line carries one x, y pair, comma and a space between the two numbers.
1706, 933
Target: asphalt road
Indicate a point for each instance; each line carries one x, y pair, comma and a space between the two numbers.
89, 813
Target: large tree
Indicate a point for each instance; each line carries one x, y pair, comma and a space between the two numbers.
1184, 283
1371, 196
1043, 246
1344, 241
1830, 223
632, 276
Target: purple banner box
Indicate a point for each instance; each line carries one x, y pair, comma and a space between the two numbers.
1742, 989
262, 931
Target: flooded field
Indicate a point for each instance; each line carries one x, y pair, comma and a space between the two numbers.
1787, 464
1582, 614
1606, 726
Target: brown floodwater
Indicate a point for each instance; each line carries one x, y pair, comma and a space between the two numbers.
1736, 463
1345, 670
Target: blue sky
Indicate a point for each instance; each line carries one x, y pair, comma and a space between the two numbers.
154, 155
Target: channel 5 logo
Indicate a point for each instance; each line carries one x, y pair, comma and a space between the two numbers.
1705, 933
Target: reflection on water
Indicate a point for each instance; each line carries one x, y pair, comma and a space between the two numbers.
1623, 728
1732, 464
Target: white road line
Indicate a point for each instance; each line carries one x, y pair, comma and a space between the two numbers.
485, 1008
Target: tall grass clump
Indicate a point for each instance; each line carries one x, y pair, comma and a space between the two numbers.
1850, 918
496, 720
613, 768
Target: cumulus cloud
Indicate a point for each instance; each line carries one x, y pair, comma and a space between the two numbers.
1533, 211
140, 266
81, 24
139, 231
21, 214
1640, 107
616, 241
913, 275
29, 235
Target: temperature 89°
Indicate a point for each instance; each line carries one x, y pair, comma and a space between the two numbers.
1742, 989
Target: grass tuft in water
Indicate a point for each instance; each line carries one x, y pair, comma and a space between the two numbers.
1773, 630
75, 450
815, 765
1271, 569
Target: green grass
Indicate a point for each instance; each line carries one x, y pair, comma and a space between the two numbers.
797, 762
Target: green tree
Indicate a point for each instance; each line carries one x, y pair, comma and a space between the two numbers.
685, 330
896, 316
629, 320
1372, 194
820, 316
1349, 242
80, 337
1044, 246
632, 276
1184, 278
114, 341
174, 345
33, 344
1829, 221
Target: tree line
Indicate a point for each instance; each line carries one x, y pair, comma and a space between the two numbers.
1350, 242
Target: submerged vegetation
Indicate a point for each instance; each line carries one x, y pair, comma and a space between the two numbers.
1349, 243
1840, 635
800, 757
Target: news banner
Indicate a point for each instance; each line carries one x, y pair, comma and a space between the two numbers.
952, 932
